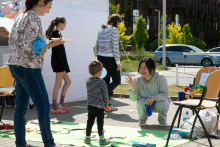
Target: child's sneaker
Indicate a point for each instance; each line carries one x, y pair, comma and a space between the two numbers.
103, 141
107, 108
58, 111
87, 140
64, 108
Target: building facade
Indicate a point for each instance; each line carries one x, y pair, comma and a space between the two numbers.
203, 17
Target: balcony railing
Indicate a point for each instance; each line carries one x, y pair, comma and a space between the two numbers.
141, 4
153, 3
179, 3
216, 35
210, 9
202, 7
128, 18
190, 4
207, 35
218, 11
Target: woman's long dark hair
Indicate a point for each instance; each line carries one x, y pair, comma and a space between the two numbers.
30, 3
113, 20
53, 23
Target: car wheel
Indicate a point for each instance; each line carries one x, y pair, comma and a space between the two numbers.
206, 62
167, 62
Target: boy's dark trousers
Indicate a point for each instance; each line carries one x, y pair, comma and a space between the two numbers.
94, 112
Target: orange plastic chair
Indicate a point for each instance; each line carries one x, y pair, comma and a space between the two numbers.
6, 81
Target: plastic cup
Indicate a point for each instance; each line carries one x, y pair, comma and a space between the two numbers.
180, 95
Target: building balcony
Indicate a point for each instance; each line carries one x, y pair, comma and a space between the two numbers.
153, 4
179, 3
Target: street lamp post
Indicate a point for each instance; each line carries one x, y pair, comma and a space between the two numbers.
158, 27
164, 34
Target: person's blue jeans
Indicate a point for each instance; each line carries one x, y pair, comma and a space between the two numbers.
8, 100
29, 82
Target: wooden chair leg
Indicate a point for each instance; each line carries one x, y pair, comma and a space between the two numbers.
3, 105
171, 127
207, 135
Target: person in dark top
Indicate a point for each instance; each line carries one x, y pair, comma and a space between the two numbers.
59, 65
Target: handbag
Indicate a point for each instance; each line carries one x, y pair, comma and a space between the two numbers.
95, 50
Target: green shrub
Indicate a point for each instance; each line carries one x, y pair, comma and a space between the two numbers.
132, 42
198, 43
133, 57
154, 45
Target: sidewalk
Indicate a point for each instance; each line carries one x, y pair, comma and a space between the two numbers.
126, 116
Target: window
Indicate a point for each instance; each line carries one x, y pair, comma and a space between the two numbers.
173, 48
215, 50
186, 49
160, 49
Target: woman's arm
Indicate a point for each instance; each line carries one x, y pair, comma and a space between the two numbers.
163, 89
134, 93
115, 45
32, 25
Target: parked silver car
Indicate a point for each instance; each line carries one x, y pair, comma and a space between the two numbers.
174, 55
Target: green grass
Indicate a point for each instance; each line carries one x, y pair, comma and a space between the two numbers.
127, 68
173, 89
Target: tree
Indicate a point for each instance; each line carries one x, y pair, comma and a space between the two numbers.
114, 9
161, 31
175, 34
122, 36
140, 34
187, 37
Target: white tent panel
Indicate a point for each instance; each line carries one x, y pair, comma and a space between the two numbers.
84, 18
95, 5
82, 27
7, 23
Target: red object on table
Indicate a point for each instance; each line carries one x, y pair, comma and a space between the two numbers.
185, 90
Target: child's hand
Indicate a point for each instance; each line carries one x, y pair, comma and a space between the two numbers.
57, 42
150, 100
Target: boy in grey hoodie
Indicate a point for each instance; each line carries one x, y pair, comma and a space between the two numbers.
150, 88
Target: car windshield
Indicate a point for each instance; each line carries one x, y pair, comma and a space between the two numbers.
196, 49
